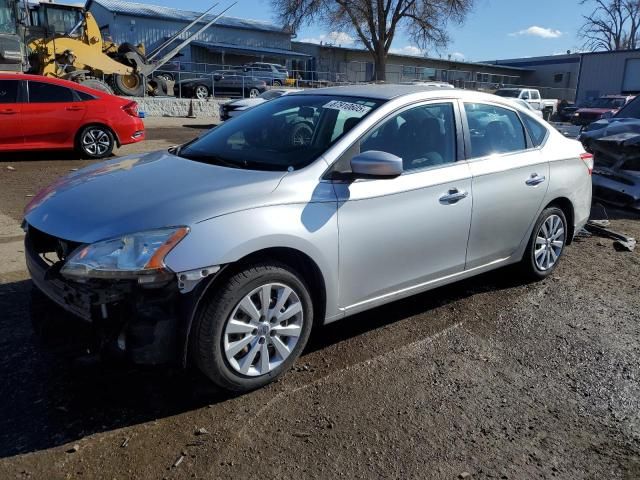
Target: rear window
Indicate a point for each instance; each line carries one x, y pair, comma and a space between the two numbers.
9, 91
537, 131
630, 110
508, 93
49, 93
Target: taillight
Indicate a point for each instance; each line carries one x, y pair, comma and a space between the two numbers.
131, 109
587, 158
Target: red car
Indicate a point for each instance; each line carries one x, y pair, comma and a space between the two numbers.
603, 107
40, 113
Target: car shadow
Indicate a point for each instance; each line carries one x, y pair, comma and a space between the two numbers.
49, 400
208, 126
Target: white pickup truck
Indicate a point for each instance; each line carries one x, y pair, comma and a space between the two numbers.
532, 97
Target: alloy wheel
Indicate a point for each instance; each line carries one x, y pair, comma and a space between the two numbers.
263, 329
202, 92
549, 242
253, 93
96, 142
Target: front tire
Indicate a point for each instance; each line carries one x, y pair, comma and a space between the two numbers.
546, 245
201, 92
253, 93
253, 328
96, 142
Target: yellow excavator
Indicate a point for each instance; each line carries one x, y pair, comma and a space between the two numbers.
84, 56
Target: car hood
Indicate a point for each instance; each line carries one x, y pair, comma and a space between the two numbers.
245, 103
596, 110
144, 192
610, 126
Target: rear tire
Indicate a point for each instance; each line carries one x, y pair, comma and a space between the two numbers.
277, 83
546, 245
95, 141
253, 93
224, 319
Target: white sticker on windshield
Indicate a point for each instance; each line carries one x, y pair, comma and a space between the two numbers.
347, 107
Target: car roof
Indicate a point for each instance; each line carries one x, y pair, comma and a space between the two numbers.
391, 91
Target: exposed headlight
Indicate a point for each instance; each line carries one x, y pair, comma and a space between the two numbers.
135, 256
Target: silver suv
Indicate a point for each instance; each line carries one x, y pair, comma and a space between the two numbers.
224, 252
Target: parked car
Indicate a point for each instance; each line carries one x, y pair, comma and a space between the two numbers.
223, 253
532, 97
41, 113
235, 108
627, 119
603, 107
527, 106
272, 73
222, 83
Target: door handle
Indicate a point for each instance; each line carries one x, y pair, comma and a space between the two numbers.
535, 179
453, 196
75, 109
8, 112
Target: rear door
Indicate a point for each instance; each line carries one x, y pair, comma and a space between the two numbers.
510, 180
53, 114
11, 97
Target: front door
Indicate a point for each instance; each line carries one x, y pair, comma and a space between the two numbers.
53, 115
11, 135
510, 180
398, 235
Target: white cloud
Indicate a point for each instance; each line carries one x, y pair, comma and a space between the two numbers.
535, 31
457, 56
407, 50
334, 38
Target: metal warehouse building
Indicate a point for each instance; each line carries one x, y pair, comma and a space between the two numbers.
609, 73
229, 41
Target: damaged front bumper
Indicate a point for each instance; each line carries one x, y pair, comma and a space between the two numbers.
144, 324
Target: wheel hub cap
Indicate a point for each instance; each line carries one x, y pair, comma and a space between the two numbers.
263, 329
96, 142
549, 242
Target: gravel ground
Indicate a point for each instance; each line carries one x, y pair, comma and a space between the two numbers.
488, 378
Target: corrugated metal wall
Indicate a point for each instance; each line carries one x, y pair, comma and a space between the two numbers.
603, 74
152, 32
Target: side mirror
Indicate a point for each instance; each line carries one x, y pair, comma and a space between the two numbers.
217, 77
376, 164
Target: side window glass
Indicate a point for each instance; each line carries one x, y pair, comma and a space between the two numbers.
525, 95
9, 91
537, 131
85, 97
493, 130
423, 137
49, 93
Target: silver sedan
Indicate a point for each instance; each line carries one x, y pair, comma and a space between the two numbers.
223, 253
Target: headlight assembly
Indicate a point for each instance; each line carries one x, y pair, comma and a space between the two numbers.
134, 256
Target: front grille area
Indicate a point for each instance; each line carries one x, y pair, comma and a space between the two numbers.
45, 245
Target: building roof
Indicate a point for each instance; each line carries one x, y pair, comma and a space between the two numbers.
166, 13
404, 55
244, 49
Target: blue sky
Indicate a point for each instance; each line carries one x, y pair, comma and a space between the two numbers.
495, 29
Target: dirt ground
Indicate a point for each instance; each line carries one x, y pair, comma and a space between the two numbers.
488, 378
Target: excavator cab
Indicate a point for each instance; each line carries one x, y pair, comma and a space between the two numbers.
12, 58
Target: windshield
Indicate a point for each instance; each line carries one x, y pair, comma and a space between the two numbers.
630, 110
508, 93
288, 132
7, 17
271, 94
612, 103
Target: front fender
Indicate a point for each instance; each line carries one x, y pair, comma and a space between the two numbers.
310, 228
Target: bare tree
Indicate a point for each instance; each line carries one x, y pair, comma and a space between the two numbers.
613, 25
376, 22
